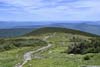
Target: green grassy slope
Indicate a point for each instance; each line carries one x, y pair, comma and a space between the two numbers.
60, 38
56, 57
13, 49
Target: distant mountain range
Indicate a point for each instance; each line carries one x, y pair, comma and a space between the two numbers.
91, 27
5, 33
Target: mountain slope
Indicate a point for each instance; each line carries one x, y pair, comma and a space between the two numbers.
58, 29
60, 40
63, 40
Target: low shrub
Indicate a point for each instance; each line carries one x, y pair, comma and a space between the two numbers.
92, 46
16, 43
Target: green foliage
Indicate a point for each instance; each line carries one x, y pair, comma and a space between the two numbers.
90, 46
86, 57
16, 43
10, 58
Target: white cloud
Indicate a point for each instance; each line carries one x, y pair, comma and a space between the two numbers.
53, 9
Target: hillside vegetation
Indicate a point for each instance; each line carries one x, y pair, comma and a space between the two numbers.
13, 49
7, 44
58, 55
82, 46
71, 48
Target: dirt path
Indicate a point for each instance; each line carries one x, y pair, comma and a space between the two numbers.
28, 56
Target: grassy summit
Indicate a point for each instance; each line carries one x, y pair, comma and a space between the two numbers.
58, 30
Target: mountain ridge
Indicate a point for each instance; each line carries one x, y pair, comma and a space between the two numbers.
43, 30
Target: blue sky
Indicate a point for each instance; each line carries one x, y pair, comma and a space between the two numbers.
49, 10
